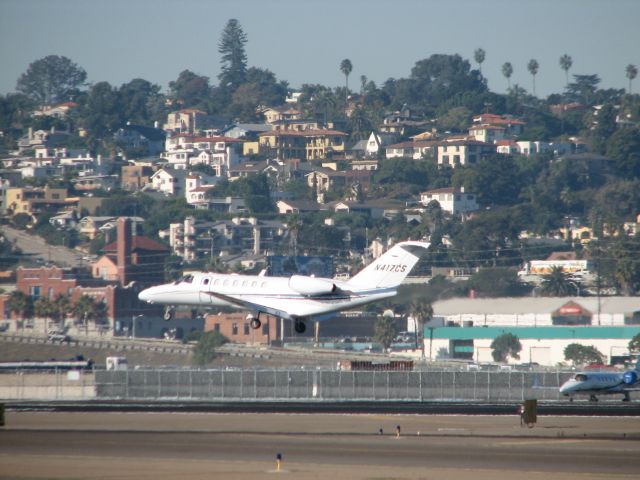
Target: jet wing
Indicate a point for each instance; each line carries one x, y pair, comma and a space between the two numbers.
258, 307
300, 307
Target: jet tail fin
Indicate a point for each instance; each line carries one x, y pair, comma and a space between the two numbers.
390, 269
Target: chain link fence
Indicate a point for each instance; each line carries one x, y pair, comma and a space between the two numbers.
331, 385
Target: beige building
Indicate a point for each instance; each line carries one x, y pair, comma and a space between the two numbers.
309, 145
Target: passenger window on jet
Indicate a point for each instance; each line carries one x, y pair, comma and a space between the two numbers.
264, 284
216, 282
245, 283
226, 282
205, 281
235, 283
253, 284
580, 377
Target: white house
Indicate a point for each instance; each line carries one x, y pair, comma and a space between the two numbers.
169, 181
452, 200
463, 152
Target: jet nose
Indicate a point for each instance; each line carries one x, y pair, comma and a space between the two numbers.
146, 294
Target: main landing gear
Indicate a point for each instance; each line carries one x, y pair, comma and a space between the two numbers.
169, 312
593, 398
299, 326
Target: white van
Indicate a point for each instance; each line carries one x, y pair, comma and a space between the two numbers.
117, 363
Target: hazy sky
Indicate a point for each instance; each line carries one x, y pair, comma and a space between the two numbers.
303, 41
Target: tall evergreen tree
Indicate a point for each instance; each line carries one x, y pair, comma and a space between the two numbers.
565, 63
631, 72
52, 79
533, 66
346, 68
479, 56
234, 57
507, 71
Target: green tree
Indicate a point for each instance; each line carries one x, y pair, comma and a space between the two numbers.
101, 114
21, 304
634, 344
88, 309
233, 58
580, 354
533, 67
583, 89
189, 89
623, 147
422, 311
205, 350
384, 330
557, 284
45, 309
479, 56
496, 282
141, 102
52, 79
631, 73
605, 120
507, 71
346, 68
504, 346
565, 63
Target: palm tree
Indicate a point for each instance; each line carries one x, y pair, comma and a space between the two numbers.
533, 66
507, 71
479, 56
421, 311
44, 308
632, 72
566, 62
21, 304
346, 68
86, 308
557, 284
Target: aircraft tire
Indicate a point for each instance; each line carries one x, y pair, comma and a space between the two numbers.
168, 314
255, 323
300, 326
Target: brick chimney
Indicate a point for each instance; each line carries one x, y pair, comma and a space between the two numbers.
124, 250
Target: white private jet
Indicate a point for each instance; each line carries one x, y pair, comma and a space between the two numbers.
298, 297
602, 383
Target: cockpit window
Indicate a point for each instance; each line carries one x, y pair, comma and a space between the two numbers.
581, 377
186, 279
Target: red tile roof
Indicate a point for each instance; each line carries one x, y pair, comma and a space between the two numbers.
303, 133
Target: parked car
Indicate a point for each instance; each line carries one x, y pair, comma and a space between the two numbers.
59, 338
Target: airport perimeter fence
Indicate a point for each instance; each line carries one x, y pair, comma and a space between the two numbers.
330, 385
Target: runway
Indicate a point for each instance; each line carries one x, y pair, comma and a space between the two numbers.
38, 445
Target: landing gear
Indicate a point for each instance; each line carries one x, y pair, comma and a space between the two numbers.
300, 326
168, 313
593, 398
254, 322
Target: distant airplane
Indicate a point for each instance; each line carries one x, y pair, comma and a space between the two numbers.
602, 383
296, 298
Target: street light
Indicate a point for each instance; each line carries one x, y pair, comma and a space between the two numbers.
133, 322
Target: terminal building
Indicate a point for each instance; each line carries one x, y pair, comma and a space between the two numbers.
465, 328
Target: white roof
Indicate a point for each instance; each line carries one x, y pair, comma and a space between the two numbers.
539, 305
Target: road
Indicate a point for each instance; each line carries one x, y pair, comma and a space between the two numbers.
37, 248
198, 446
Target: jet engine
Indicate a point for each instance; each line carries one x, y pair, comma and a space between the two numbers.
630, 377
311, 286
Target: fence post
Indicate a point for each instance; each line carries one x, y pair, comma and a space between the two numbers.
223, 382
255, 384
488, 385
126, 385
